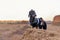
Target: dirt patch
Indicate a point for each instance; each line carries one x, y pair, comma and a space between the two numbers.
25, 32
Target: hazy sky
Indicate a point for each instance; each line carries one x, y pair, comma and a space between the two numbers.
19, 9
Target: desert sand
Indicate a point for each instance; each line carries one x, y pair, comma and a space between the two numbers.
25, 32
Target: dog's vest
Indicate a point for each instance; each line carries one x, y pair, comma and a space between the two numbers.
37, 20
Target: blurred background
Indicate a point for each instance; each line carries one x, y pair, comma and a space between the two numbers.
19, 9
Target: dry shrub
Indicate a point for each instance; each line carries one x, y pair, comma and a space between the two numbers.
13, 22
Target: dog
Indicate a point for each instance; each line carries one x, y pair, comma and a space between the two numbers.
36, 22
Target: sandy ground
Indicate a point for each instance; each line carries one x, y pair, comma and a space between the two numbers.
25, 32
